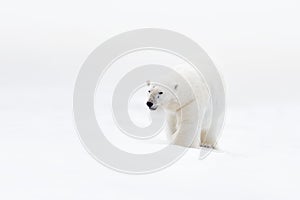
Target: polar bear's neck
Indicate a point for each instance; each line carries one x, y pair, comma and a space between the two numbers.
175, 106
172, 106
184, 105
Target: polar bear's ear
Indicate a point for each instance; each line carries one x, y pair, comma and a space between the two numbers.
148, 82
176, 86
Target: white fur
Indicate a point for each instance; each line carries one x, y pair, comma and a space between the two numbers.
179, 103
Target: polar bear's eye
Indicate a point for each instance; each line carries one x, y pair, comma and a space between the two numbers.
149, 91
160, 93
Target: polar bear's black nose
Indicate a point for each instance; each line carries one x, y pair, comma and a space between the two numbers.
149, 104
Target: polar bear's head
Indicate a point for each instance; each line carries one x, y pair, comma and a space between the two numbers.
160, 96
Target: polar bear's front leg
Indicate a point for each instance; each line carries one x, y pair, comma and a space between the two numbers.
187, 134
208, 140
171, 125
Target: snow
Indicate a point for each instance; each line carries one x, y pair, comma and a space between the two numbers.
42, 157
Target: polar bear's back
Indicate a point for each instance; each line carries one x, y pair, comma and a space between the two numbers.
196, 81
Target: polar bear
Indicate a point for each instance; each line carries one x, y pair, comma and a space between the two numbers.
173, 95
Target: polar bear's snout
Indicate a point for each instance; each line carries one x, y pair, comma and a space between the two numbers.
154, 98
149, 104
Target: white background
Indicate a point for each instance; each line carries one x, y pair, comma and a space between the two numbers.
256, 46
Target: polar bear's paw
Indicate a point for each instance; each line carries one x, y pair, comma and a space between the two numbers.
209, 146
